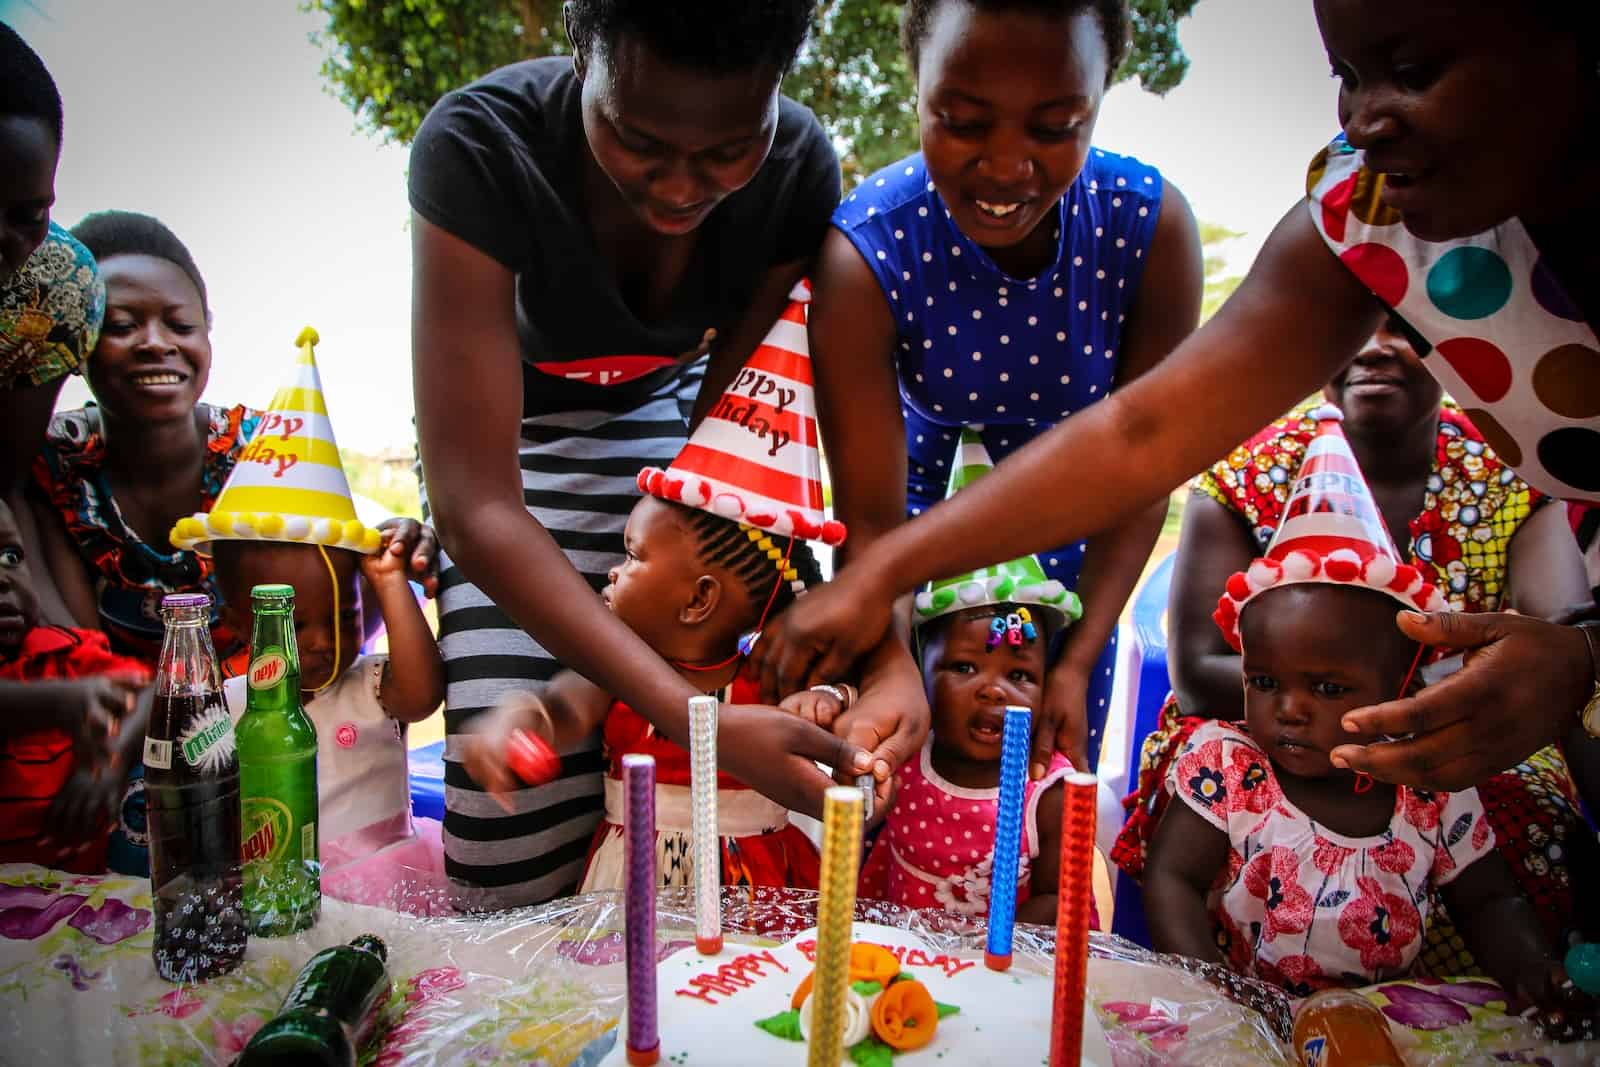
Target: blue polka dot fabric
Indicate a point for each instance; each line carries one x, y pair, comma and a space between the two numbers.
1013, 356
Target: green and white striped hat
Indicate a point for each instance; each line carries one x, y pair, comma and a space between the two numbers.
1021, 581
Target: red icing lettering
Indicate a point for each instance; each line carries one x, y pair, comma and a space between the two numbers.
738, 973
808, 949
698, 994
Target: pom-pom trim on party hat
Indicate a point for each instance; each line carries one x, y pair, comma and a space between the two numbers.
695, 491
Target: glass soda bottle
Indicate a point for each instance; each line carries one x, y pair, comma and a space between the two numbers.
329, 1012
192, 804
1342, 1028
278, 776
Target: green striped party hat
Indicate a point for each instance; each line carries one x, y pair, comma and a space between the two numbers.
1021, 581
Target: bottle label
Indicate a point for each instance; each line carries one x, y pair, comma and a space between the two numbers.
308, 840
268, 669
207, 742
1312, 1050
158, 754
266, 829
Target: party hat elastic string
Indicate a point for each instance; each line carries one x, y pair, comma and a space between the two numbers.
333, 580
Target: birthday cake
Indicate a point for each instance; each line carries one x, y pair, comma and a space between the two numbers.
750, 1005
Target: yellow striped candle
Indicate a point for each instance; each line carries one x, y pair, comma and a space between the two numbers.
836, 905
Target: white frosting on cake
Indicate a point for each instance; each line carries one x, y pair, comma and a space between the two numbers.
709, 1006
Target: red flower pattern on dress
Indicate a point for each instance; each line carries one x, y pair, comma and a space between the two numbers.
1300, 975
1197, 770
1480, 835
1421, 809
1251, 786
1379, 926
1328, 857
1273, 876
1396, 857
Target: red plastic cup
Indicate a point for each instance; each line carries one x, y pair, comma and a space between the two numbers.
531, 759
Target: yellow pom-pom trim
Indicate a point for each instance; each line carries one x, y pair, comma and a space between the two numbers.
371, 541
221, 522
247, 519
353, 529
308, 336
271, 526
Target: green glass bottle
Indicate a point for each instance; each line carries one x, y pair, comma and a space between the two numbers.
329, 1012
277, 777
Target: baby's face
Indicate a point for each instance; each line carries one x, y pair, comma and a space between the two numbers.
315, 620
19, 605
970, 686
1311, 653
657, 574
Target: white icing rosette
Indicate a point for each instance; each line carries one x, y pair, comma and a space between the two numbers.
857, 1016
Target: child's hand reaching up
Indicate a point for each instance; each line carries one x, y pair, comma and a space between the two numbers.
413, 680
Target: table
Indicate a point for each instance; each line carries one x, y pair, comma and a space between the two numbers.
545, 985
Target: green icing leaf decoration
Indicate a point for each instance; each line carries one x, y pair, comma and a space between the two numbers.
901, 977
867, 989
946, 1009
870, 1052
785, 1024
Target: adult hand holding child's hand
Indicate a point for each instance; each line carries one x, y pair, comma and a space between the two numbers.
417, 546
821, 635
1520, 687
776, 753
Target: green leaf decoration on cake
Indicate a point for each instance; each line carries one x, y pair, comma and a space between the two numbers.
867, 989
785, 1024
901, 977
870, 1052
946, 1009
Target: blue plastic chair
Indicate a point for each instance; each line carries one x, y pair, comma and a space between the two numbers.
1153, 685
427, 781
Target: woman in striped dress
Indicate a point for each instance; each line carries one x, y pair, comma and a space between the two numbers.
594, 237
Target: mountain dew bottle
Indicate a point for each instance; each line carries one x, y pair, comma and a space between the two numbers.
277, 777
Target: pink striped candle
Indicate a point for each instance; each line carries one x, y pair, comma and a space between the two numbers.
639, 905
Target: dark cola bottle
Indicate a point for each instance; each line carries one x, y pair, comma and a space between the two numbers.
192, 800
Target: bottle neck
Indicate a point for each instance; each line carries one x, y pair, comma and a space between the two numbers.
274, 674
188, 663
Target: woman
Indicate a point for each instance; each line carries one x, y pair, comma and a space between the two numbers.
586, 231
51, 301
122, 470
1466, 124
1455, 511
1006, 277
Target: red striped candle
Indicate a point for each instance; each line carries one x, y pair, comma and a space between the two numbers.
1072, 919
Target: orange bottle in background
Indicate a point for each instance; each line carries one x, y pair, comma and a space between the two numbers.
1342, 1028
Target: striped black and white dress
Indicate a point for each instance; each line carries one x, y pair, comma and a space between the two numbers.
578, 480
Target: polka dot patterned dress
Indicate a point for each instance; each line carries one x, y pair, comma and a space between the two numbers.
1011, 356
1507, 341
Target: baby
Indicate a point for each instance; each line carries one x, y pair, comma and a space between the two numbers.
691, 584
74, 721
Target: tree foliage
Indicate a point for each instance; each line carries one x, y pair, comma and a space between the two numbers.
389, 60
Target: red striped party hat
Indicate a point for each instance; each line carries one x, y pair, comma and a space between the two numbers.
1331, 532
754, 459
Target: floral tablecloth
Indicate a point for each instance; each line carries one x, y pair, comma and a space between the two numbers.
545, 986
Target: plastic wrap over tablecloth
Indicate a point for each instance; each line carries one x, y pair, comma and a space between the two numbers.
544, 985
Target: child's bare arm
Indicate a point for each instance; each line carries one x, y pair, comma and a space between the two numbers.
1185, 856
562, 712
1503, 933
413, 680
1045, 882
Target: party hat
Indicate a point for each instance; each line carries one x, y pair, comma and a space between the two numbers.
288, 483
1331, 532
1021, 581
754, 459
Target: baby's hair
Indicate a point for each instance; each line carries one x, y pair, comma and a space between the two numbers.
26, 88
128, 233
928, 632
1111, 14
712, 36
728, 544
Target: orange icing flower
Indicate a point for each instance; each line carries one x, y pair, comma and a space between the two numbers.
871, 963
904, 1016
800, 994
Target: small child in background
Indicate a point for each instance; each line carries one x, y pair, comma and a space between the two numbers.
259, 532
984, 639
1284, 867
692, 585
73, 721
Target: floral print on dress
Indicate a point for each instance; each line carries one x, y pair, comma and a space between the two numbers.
1305, 907
50, 312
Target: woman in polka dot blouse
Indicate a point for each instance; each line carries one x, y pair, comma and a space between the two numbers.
1461, 195
1005, 278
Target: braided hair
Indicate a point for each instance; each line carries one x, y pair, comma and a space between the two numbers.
739, 549
1111, 14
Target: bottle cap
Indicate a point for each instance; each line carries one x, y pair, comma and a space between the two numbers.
274, 591
531, 759
371, 943
185, 600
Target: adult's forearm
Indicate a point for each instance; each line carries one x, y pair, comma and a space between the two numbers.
507, 554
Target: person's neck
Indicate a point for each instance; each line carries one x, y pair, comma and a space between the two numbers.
966, 773
702, 673
1397, 461
134, 446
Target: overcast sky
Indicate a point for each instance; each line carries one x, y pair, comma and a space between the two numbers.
213, 117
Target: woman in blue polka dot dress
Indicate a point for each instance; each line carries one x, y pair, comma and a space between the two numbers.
1004, 278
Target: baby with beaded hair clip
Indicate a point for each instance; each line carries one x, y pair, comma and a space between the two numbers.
984, 641
1282, 866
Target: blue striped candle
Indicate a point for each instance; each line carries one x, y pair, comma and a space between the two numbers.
1008, 838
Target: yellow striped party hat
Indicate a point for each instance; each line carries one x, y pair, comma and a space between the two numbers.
288, 483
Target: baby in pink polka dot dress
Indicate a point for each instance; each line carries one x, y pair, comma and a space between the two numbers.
936, 849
